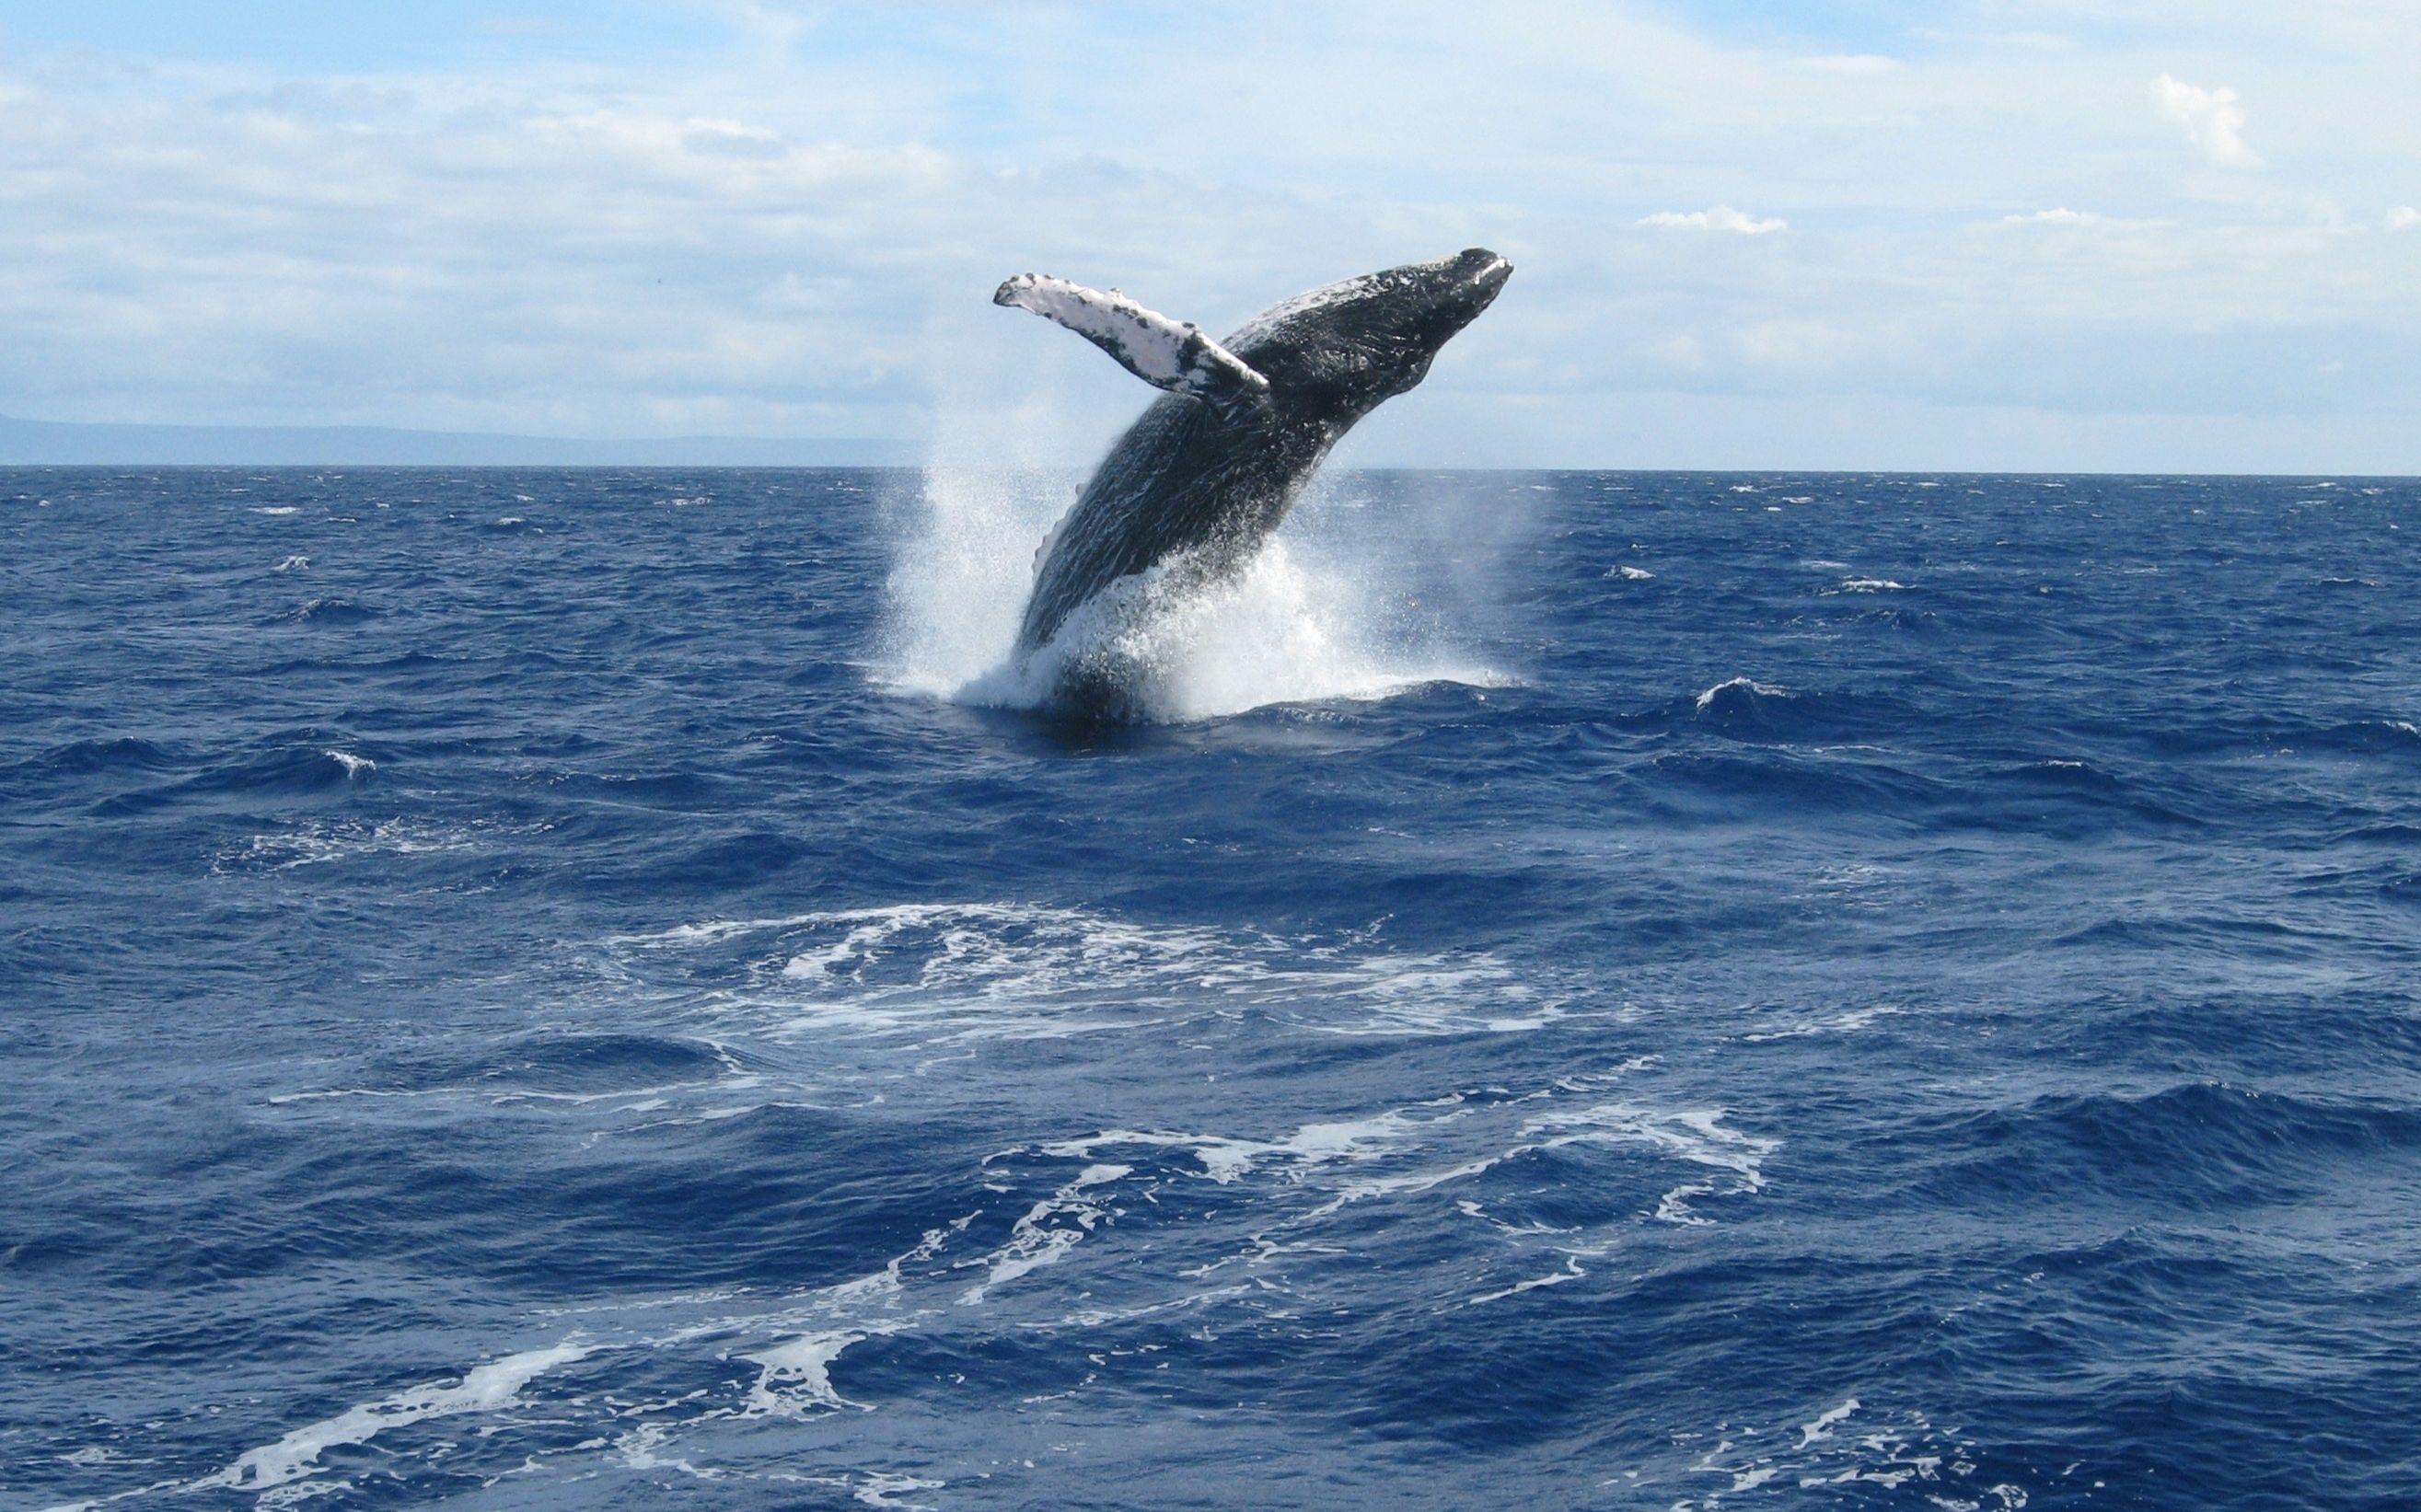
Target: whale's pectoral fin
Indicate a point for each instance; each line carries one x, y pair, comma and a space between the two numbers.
1165, 353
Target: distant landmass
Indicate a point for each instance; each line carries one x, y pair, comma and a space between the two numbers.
49, 444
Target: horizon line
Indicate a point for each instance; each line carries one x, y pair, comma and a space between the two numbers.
779, 454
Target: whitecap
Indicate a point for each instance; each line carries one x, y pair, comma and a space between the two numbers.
1747, 686
1698, 1136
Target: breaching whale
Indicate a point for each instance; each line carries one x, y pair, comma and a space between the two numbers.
1200, 480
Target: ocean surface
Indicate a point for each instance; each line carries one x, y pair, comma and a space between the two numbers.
585, 989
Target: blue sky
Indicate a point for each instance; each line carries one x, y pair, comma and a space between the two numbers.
2060, 235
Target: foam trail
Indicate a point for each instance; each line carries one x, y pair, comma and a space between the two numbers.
1825, 1422
1032, 1245
797, 1376
491, 1386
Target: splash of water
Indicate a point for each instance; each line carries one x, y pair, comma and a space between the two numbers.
1314, 615
964, 567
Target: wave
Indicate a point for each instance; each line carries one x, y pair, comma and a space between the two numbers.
278, 770
565, 1066
1738, 696
1723, 783
332, 613
2063, 795
2361, 1053
91, 758
2198, 1146
1744, 709
2369, 737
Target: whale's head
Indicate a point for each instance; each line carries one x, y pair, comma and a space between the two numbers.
1336, 353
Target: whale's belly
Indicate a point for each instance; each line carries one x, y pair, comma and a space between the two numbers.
1183, 482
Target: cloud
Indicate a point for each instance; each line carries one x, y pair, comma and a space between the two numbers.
2061, 216
2211, 118
1720, 218
519, 26
1854, 63
2404, 218
1791, 344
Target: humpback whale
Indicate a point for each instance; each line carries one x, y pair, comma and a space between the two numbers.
1212, 466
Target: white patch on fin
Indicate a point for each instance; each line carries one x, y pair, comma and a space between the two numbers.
1165, 353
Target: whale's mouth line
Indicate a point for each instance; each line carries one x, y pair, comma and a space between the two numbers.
1487, 280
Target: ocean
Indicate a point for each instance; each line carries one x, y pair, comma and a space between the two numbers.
587, 989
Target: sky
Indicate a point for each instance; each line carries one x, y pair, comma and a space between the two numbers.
2073, 234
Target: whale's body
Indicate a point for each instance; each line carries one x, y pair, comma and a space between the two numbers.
1200, 480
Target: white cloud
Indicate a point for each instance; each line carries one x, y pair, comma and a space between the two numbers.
1720, 218
1853, 63
2211, 118
1684, 351
2404, 218
1791, 343
2061, 216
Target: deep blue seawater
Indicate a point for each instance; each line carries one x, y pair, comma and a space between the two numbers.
1877, 992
